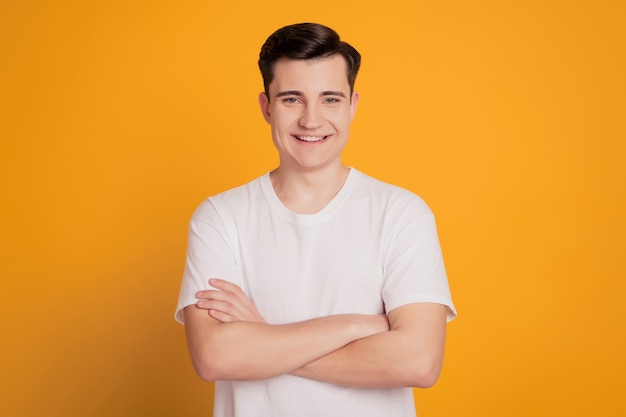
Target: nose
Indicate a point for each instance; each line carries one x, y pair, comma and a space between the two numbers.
311, 117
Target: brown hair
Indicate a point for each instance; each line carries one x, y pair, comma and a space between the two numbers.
306, 41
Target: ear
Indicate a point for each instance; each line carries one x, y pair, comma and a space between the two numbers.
264, 103
353, 103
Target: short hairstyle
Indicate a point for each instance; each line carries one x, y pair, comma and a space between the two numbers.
306, 41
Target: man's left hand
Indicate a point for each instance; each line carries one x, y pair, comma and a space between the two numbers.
228, 303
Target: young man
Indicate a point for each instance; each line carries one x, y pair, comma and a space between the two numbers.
314, 290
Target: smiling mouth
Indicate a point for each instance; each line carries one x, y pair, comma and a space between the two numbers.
310, 138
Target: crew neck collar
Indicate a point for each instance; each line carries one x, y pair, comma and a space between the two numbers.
313, 218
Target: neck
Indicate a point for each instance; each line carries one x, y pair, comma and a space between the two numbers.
308, 192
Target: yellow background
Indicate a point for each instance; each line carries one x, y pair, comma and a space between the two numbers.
117, 118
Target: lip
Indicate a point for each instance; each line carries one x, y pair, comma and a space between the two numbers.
311, 138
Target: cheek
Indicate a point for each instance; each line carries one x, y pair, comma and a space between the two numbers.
341, 120
280, 129
282, 120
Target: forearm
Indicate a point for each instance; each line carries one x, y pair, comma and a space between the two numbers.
407, 355
378, 361
247, 351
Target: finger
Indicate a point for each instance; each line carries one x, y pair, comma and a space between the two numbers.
224, 285
222, 306
214, 295
222, 316
225, 296
233, 309
230, 288
241, 307
224, 301
234, 289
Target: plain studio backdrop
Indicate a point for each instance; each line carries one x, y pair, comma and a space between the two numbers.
117, 118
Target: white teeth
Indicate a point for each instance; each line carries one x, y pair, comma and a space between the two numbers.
310, 138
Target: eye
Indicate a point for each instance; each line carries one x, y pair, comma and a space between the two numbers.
290, 100
331, 100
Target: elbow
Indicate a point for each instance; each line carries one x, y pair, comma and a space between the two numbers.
425, 379
207, 366
424, 374
206, 373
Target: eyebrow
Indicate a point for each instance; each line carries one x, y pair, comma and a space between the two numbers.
289, 93
333, 93
299, 93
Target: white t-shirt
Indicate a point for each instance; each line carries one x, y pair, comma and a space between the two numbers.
372, 249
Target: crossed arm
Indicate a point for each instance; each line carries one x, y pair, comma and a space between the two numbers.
229, 340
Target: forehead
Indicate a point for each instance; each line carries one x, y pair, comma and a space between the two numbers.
318, 74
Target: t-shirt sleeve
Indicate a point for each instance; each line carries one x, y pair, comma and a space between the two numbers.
209, 255
414, 270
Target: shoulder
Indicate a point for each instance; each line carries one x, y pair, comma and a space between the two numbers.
230, 201
391, 198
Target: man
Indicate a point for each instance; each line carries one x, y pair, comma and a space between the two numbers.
314, 290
